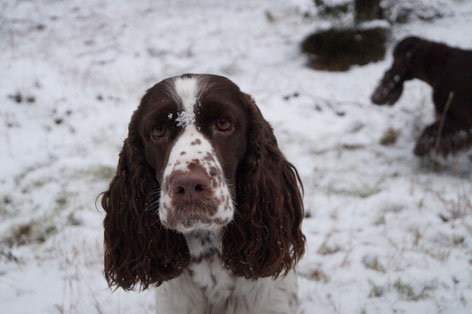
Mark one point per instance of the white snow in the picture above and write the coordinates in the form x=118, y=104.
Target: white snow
x=387, y=233
x=185, y=118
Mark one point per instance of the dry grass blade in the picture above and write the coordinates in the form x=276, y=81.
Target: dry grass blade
x=443, y=120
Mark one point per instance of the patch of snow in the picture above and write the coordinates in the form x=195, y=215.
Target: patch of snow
x=185, y=118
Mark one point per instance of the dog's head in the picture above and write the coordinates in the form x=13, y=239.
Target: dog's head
x=403, y=67
x=200, y=156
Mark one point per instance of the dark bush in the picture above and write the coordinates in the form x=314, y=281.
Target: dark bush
x=339, y=49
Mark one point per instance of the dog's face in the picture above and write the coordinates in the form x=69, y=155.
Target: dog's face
x=193, y=128
x=200, y=156
x=389, y=90
x=390, y=87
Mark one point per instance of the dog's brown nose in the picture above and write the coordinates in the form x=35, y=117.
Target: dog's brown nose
x=190, y=186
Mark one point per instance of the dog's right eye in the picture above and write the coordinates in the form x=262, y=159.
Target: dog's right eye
x=158, y=132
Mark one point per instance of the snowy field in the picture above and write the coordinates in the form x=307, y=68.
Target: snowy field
x=387, y=232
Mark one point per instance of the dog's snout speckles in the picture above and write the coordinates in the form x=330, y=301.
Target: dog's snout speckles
x=196, y=142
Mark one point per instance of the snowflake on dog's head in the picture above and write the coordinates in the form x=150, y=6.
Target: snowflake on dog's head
x=185, y=118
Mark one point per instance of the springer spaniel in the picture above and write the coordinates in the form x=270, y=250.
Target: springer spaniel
x=204, y=204
x=449, y=72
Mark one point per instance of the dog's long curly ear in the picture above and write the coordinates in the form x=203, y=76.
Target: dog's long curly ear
x=265, y=238
x=139, y=251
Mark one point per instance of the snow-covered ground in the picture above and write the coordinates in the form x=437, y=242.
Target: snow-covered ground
x=387, y=233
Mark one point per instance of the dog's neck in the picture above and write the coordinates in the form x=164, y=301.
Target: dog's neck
x=204, y=244
x=206, y=267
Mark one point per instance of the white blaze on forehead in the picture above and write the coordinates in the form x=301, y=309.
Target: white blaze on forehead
x=186, y=90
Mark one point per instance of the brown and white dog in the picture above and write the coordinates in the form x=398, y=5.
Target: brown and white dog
x=204, y=204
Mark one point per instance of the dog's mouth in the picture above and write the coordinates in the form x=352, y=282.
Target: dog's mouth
x=190, y=222
x=187, y=216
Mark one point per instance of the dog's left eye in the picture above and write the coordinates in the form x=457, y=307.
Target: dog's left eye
x=159, y=131
x=223, y=125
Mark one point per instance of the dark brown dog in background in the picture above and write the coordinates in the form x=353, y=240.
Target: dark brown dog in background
x=449, y=72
